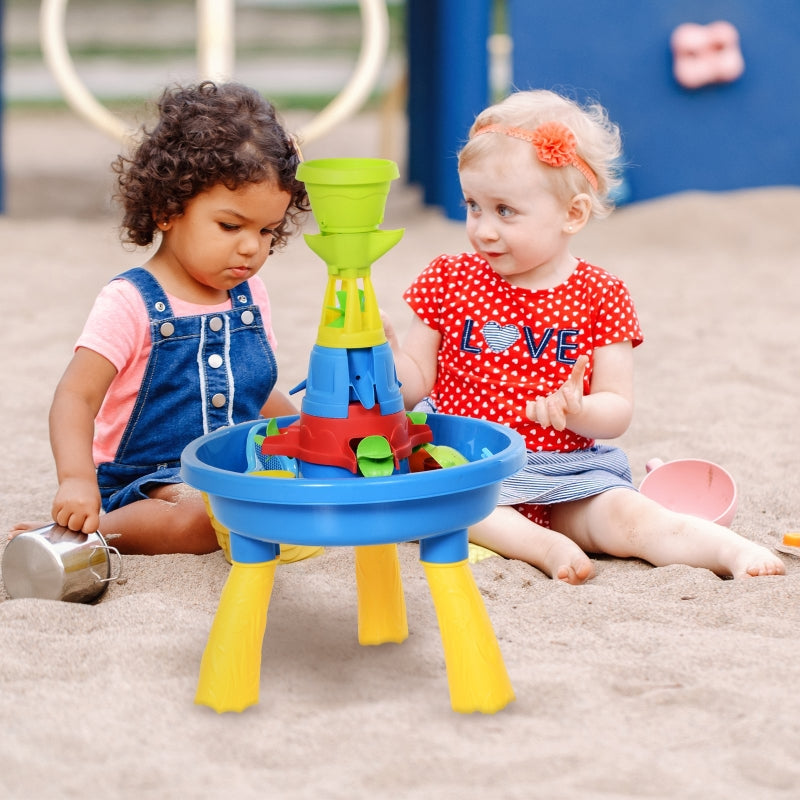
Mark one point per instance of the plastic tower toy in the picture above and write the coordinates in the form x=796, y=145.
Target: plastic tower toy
x=351, y=391
x=366, y=474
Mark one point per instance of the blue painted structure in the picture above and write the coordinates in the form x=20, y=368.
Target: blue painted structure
x=717, y=138
x=448, y=84
x=2, y=108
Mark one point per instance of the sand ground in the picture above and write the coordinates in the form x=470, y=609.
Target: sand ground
x=645, y=682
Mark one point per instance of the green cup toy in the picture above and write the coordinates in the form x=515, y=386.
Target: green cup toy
x=348, y=195
x=348, y=199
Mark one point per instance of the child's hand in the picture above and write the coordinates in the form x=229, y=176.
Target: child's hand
x=77, y=505
x=551, y=411
x=388, y=329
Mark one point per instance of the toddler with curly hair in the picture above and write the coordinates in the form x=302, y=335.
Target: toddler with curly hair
x=183, y=344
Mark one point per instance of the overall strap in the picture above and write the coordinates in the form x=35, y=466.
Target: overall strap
x=155, y=298
x=240, y=295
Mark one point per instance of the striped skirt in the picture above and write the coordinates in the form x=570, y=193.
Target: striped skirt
x=552, y=477
x=549, y=477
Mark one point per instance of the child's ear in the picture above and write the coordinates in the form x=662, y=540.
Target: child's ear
x=578, y=213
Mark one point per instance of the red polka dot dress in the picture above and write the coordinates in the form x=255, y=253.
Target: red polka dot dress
x=503, y=345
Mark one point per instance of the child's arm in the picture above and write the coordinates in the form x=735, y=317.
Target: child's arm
x=416, y=360
x=278, y=405
x=76, y=402
x=607, y=411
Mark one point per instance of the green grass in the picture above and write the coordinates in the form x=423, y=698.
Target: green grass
x=140, y=53
x=280, y=19
x=131, y=105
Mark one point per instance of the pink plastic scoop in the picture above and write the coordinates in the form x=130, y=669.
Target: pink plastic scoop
x=692, y=486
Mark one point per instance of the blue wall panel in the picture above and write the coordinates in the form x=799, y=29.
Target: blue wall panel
x=719, y=137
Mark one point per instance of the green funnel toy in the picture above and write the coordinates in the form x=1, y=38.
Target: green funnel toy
x=348, y=198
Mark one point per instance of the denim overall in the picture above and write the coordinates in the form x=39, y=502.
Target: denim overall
x=204, y=372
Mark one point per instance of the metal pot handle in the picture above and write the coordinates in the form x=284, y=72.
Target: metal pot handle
x=109, y=549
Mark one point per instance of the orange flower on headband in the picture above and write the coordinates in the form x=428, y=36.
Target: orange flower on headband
x=553, y=142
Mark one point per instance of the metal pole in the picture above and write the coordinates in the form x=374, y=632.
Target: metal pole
x=371, y=58
x=216, y=40
x=57, y=58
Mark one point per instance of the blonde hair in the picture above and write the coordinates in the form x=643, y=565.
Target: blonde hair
x=598, y=141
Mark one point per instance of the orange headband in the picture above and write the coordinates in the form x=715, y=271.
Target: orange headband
x=553, y=143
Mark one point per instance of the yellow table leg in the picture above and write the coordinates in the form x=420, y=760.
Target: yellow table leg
x=475, y=670
x=230, y=669
x=381, y=603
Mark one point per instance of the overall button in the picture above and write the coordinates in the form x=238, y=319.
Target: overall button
x=167, y=329
x=215, y=360
x=218, y=400
x=215, y=323
x=248, y=317
x=242, y=298
x=160, y=306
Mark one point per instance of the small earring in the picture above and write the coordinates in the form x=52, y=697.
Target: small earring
x=569, y=228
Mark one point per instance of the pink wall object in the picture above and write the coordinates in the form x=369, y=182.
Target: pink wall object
x=706, y=54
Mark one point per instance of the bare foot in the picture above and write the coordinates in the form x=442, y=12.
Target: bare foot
x=751, y=560
x=565, y=561
x=513, y=535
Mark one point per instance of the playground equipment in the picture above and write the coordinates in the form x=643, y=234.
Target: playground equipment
x=703, y=55
x=728, y=133
x=354, y=469
x=215, y=61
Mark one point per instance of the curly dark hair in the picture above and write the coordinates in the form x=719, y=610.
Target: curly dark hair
x=206, y=134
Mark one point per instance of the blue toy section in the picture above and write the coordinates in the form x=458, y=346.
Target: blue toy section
x=356, y=511
x=716, y=138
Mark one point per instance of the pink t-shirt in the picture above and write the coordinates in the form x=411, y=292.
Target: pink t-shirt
x=503, y=345
x=118, y=328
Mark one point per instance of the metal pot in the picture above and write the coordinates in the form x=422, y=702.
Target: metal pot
x=55, y=563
